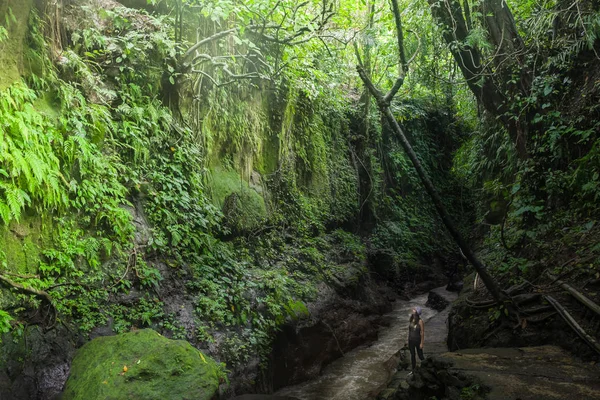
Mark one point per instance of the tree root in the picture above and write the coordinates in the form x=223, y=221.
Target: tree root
x=537, y=310
x=578, y=295
x=20, y=288
x=515, y=289
x=541, y=319
x=481, y=304
x=22, y=276
x=43, y=295
x=573, y=324
x=494, y=332
x=517, y=300
x=525, y=298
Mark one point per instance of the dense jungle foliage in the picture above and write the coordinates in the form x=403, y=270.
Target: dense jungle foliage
x=200, y=167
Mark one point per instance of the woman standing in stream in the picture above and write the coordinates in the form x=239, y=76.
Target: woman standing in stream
x=416, y=336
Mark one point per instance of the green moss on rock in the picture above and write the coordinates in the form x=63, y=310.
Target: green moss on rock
x=156, y=368
x=249, y=208
x=21, y=242
x=15, y=15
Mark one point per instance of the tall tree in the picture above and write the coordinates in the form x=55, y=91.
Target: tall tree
x=504, y=75
x=383, y=102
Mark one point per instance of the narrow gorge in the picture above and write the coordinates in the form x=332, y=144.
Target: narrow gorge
x=245, y=199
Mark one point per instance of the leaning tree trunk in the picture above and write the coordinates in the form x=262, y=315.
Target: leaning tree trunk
x=441, y=209
x=383, y=102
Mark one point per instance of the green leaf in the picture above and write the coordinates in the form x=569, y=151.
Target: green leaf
x=4, y=212
x=5, y=320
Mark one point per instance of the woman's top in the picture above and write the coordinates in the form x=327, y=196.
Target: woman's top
x=414, y=331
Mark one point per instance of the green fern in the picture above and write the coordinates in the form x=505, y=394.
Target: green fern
x=16, y=199
x=31, y=167
x=4, y=212
x=38, y=168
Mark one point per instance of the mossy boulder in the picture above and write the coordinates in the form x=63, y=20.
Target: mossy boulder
x=241, y=201
x=141, y=365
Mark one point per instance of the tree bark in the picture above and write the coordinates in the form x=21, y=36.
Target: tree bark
x=508, y=58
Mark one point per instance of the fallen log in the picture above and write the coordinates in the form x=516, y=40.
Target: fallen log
x=578, y=295
x=519, y=299
x=481, y=304
x=515, y=289
x=573, y=324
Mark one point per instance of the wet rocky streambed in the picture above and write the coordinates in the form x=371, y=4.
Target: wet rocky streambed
x=377, y=371
x=365, y=372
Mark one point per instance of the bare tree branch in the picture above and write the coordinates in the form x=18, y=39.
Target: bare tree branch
x=402, y=66
x=283, y=33
x=209, y=39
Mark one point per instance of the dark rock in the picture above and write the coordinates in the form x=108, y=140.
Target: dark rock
x=435, y=378
x=106, y=330
x=397, y=380
x=262, y=397
x=428, y=376
x=387, y=394
x=416, y=382
x=450, y=380
x=453, y=393
x=455, y=286
x=339, y=323
x=37, y=366
x=436, y=301
x=529, y=373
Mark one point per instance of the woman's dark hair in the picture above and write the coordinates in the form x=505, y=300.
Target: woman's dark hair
x=415, y=318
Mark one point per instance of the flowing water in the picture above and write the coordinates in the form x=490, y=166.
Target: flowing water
x=361, y=373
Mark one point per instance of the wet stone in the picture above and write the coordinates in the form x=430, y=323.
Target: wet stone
x=387, y=394
x=453, y=393
x=450, y=380
x=397, y=380
x=436, y=301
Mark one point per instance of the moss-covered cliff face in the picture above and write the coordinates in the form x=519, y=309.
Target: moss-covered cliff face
x=12, y=40
x=132, y=195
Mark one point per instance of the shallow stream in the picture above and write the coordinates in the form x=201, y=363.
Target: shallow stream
x=362, y=373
